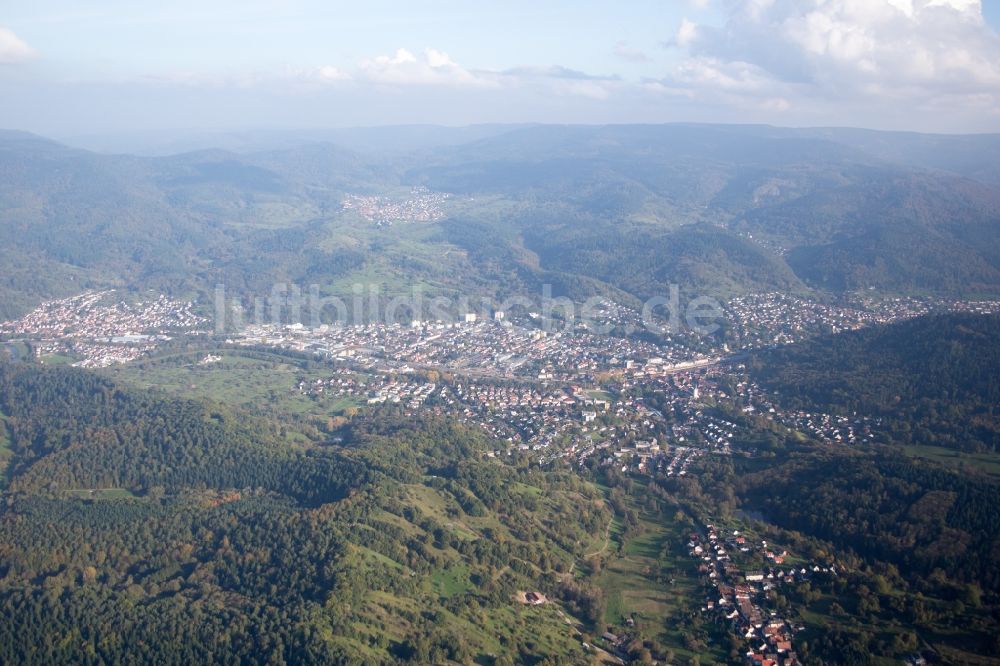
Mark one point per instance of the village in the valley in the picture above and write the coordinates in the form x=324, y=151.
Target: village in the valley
x=419, y=205
x=564, y=393
x=744, y=571
x=556, y=394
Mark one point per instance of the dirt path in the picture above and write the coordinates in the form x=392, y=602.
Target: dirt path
x=599, y=551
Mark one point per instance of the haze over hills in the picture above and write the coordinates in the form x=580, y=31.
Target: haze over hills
x=390, y=138
x=717, y=209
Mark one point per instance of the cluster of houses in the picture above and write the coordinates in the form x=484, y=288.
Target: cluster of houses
x=554, y=421
x=559, y=421
x=680, y=460
x=765, y=320
x=770, y=319
x=102, y=314
x=100, y=353
x=421, y=205
x=717, y=432
x=344, y=382
x=409, y=394
x=828, y=428
x=684, y=396
x=740, y=595
x=99, y=329
x=483, y=348
x=371, y=389
x=523, y=417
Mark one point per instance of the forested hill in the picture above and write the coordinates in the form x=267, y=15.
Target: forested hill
x=933, y=379
x=72, y=430
x=719, y=210
x=905, y=504
x=138, y=529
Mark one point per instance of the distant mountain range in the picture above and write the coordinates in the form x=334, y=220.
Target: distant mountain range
x=620, y=210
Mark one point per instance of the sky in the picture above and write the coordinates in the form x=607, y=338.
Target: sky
x=69, y=68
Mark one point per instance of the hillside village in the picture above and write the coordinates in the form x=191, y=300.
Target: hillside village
x=421, y=205
x=741, y=599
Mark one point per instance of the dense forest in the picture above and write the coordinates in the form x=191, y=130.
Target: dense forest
x=137, y=528
x=923, y=518
x=933, y=380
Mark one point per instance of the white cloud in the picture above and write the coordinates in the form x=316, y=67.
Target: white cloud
x=431, y=68
x=561, y=81
x=13, y=49
x=287, y=80
x=626, y=52
x=330, y=74
x=687, y=33
x=913, y=53
x=741, y=77
x=436, y=68
x=726, y=84
x=402, y=70
x=598, y=90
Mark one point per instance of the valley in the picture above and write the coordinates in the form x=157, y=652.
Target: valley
x=559, y=395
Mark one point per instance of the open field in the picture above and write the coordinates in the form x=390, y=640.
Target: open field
x=987, y=463
x=101, y=493
x=255, y=382
x=646, y=577
x=57, y=359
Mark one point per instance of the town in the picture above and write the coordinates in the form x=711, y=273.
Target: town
x=561, y=394
x=99, y=329
x=571, y=397
x=421, y=205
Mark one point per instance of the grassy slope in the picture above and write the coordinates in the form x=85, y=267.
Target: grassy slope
x=645, y=578
x=5, y=452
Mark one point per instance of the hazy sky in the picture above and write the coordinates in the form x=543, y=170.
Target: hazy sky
x=68, y=67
